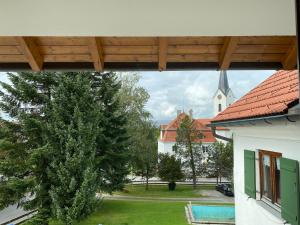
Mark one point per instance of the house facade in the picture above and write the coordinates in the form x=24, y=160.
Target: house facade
x=167, y=139
x=266, y=134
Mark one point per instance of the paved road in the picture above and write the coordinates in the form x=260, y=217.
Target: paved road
x=10, y=213
x=156, y=180
x=210, y=196
x=213, y=194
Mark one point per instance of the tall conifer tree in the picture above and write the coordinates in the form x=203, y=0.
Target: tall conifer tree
x=24, y=160
x=72, y=132
x=66, y=137
x=112, y=143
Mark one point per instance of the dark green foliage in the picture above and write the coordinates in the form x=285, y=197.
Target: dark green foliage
x=24, y=161
x=144, y=157
x=72, y=131
x=169, y=168
x=220, y=160
x=112, y=153
x=189, y=149
x=66, y=136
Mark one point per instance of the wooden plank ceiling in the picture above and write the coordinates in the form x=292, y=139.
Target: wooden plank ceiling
x=147, y=53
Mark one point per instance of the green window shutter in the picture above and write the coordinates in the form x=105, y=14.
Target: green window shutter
x=250, y=179
x=289, y=187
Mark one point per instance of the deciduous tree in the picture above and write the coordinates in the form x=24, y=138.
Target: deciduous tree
x=169, y=169
x=144, y=155
x=188, y=147
x=220, y=160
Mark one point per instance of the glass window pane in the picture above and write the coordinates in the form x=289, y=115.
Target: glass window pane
x=267, y=192
x=277, y=180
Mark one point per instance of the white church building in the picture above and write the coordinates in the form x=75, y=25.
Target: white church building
x=224, y=96
x=266, y=137
x=221, y=100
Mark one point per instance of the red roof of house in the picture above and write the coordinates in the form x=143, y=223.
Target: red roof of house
x=162, y=127
x=170, y=130
x=274, y=96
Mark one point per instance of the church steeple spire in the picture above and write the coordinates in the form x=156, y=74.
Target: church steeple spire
x=224, y=96
x=223, y=82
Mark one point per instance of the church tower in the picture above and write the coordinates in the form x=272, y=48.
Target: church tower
x=223, y=96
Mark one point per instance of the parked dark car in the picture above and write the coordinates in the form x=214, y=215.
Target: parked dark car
x=219, y=187
x=226, y=189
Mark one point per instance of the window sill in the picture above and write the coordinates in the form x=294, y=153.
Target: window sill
x=271, y=208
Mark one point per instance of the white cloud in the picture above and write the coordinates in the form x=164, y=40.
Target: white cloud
x=167, y=109
x=170, y=91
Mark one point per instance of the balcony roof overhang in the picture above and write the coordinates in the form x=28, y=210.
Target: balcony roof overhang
x=147, y=35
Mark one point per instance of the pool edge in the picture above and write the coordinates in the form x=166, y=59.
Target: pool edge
x=191, y=219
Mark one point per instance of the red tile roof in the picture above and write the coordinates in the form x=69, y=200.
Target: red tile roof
x=207, y=122
x=169, y=131
x=274, y=96
x=162, y=127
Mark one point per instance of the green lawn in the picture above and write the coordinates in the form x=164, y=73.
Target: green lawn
x=136, y=213
x=162, y=191
x=114, y=212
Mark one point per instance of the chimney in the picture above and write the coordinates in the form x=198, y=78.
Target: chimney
x=191, y=113
x=178, y=112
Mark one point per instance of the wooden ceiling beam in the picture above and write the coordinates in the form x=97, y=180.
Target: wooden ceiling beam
x=31, y=52
x=227, y=50
x=289, y=62
x=97, y=54
x=162, y=53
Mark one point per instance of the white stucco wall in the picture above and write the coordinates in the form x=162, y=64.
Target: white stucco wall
x=165, y=147
x=281, y=137
x=230, y=98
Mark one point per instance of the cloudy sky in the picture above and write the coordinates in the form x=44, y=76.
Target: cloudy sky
x=172, y=91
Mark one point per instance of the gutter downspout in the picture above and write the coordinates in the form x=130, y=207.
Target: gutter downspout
x=213, y=128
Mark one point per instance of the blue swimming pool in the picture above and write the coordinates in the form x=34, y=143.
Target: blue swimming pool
x=203, y=213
